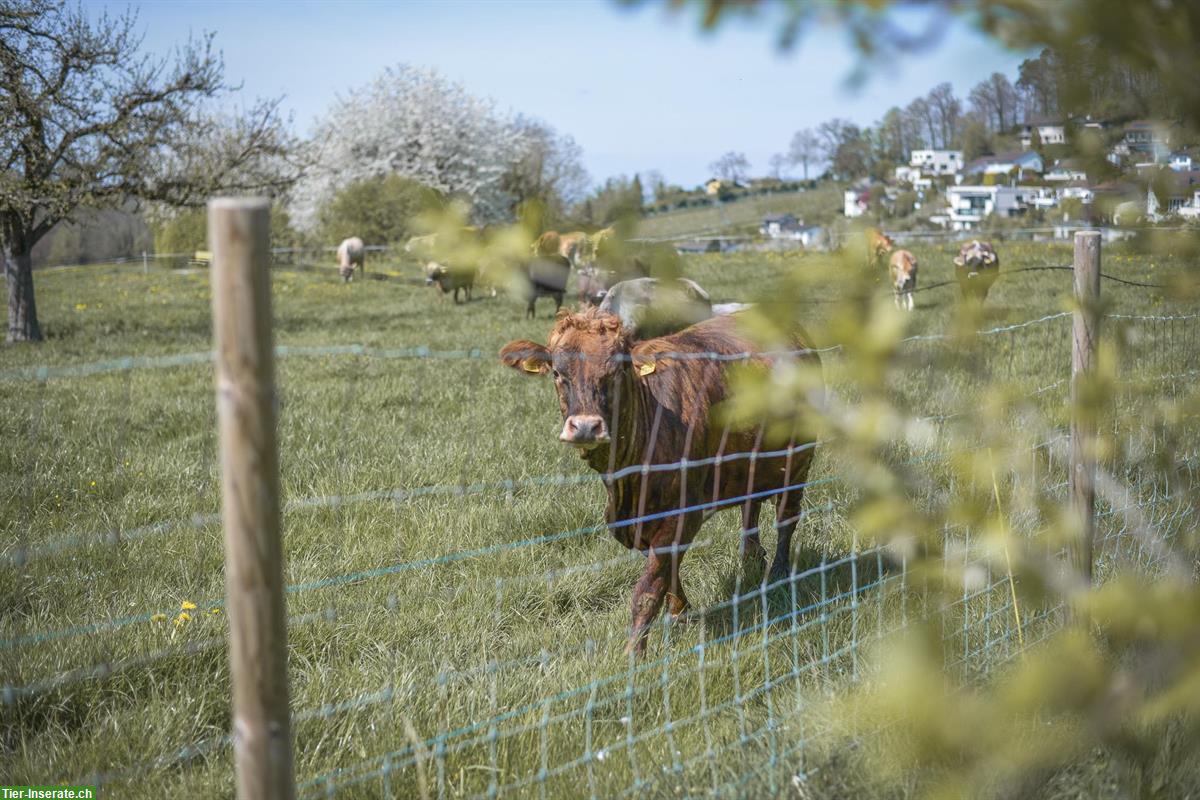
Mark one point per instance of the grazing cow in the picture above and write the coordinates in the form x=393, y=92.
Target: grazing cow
x=548, y=244
x=613, y=261
x=350, y=255
x=879, y=247
x=548, y=276
x=903, y=267
x=571, y=246
x=636, y=409
x=976, y=268
x=648, y=307
x=451, y=279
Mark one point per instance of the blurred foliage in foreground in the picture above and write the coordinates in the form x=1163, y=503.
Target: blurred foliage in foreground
x=1114, y=666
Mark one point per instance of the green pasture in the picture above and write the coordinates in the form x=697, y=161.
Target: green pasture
x=452, y=634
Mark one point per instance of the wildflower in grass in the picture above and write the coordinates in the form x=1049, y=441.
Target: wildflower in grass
x=183, y=619
x=81, y=306
x=188, y=605
x=160, y=617
x=215, y=611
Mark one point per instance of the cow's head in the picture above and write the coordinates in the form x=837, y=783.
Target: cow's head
x=975, y=256
x=594, y=365
x=880, y=244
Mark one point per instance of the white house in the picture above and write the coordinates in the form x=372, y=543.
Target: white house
x=1066, y=170
x=969, y=205
x=913, y=177
x=1180, y=162
x=1049, y=131
x=856, y=200
x=1178, y=194
x=936, y=162
x=780, y=226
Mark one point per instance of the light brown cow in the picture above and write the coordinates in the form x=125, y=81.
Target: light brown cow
x=903, y=268
x=350, y=253
x=572, y=246
x=976, y=268
x=879, y=247
x=635, y=409
x=548, y=244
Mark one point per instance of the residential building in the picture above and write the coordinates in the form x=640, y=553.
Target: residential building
x=1180, y=161
x=1048, y=129
x=780, y=226
x=1148, y=138
x=936, y=162
x=856, y=200
x=969, y=205
x=1172, y=193
x=913, y=177
x=1066, y=170
x=1017, y=165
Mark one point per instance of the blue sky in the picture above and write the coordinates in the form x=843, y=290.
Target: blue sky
x=639, y=88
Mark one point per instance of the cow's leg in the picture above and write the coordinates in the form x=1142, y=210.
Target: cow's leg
x=529, y=308
x=787, y=514
x=648, y=596
x=558, y=298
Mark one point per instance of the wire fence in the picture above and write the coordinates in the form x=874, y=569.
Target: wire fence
x=532, y=695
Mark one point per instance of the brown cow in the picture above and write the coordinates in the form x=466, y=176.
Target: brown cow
x=976, y=268
x=903, y=268
x=573, y=247
x=630, y=407
x=548, y=244
x=879, y=247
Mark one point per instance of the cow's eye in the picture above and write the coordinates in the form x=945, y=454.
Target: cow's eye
x=557, y=375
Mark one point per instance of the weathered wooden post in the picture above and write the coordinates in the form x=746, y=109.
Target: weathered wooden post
x=238, y=234
x=1082, y=478
x=145, y=264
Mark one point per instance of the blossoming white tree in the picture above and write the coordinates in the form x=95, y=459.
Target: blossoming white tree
x=417, y=124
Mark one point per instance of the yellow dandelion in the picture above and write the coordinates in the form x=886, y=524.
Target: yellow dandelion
x=81, y=306
x=188, y=605
x=182, y=619
x=160, y=617
x=215, y=611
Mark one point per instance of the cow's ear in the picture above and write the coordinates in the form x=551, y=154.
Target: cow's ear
x=958, y=260
x=989, y=258
x=526, y=356
x=645, y=359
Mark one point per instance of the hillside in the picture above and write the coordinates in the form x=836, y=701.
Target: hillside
x=818, y=206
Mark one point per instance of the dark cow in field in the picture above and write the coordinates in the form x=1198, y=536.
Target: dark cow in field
x=976, y=268
x=635, y=409
x=615, y=261
x=548, y=276
x=451, y=279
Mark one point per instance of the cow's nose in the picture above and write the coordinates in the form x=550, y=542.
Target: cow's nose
x=584, y=429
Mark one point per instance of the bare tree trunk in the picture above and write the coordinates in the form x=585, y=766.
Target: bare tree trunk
x=22, y=310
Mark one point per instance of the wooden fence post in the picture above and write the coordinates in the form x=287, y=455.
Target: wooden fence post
x=1082, y=477
x=238, y=235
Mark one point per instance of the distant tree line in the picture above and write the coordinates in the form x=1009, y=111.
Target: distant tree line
x=1050, y=87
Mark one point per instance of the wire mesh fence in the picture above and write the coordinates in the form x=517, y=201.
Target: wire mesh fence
x=458, y=611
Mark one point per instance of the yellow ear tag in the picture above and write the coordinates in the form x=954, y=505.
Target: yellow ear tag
x=645, y=369
x=530, y=365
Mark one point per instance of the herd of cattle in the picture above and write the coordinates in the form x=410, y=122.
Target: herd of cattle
x=641, y=370
x=976, y=268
